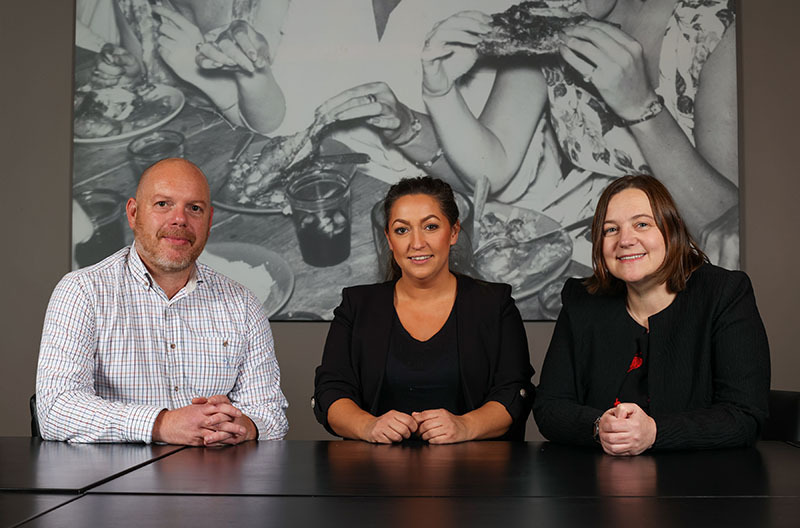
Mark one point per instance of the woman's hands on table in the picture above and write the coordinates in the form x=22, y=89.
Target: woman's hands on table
x=392, y=426
x=626, y=430
x=439, y=426
x=436, y=426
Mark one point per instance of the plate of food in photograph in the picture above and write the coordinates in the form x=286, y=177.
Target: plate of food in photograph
x=259, y=269
x=260, y=173
x=105, y=115
x=521, y=247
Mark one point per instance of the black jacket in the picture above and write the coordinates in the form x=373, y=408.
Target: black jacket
x=708, y=374
x=492, y=349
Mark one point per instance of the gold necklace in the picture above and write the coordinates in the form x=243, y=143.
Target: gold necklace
x=637, y=318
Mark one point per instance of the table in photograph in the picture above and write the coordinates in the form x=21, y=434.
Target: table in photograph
x=210, y=142
x=344, y=483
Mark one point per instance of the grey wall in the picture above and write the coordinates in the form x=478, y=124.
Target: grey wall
x=35, y=142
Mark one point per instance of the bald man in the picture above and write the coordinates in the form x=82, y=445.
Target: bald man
x=150, y=346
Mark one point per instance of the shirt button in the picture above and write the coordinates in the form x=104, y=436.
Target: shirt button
x=176, y=388
x=225, y=343
x=313, y=402
x=172, y=346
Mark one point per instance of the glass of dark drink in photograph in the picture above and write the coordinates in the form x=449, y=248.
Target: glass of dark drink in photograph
x=106, y=211
x=155, y=146
x=320, y=203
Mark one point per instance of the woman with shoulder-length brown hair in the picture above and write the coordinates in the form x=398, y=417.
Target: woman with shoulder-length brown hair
x=658, y=348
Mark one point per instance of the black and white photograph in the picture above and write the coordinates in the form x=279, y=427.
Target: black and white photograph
x=302, y=114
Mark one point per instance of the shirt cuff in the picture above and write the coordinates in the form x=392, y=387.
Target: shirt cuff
x=139, y=423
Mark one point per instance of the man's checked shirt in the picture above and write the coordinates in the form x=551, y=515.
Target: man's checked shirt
x=115, y=352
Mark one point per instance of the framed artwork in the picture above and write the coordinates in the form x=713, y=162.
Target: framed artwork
x=303, y=113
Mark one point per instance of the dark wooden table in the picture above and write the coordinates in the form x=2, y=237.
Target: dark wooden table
x=146, y=511
x=343, y=483
x=18, y=507
x=30, y=464
x=475, y=469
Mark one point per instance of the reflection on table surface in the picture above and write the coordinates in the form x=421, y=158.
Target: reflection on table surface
x=346, y=483
x=33, y=464
x=18, y=507
x=499, y=469
x=145, y=511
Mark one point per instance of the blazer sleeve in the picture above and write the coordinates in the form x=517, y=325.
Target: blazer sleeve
x=558, y=411
x=511, y=385
x=336, y=376
x=740, y=378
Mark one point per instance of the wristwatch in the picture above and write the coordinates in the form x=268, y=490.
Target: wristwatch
x=653, y=109
x=415, y=127
x=596, y=429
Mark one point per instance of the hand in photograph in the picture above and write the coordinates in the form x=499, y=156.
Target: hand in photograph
x=449, y=50
x=613, y=62
x=238, y=47
x=720, y=239
x=378, y=106
x=248, y=95
x=177, y=41
x=115, y=66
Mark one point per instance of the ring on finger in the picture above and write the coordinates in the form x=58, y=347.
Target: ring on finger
x=371, y=98
x=588, y=77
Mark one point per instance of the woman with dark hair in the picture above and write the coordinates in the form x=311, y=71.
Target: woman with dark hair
x=429, y=354
x=658, y=348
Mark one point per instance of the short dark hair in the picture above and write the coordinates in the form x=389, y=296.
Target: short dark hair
x=433, y=187
x=683, y=256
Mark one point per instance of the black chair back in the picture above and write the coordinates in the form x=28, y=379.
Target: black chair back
x=34, y=418
x=784, y=416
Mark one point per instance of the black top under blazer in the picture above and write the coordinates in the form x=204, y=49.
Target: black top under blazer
x=708, y=373
x=494, y=364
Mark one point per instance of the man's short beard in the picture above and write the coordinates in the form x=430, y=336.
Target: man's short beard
x=158, y=260
x=169, y=266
